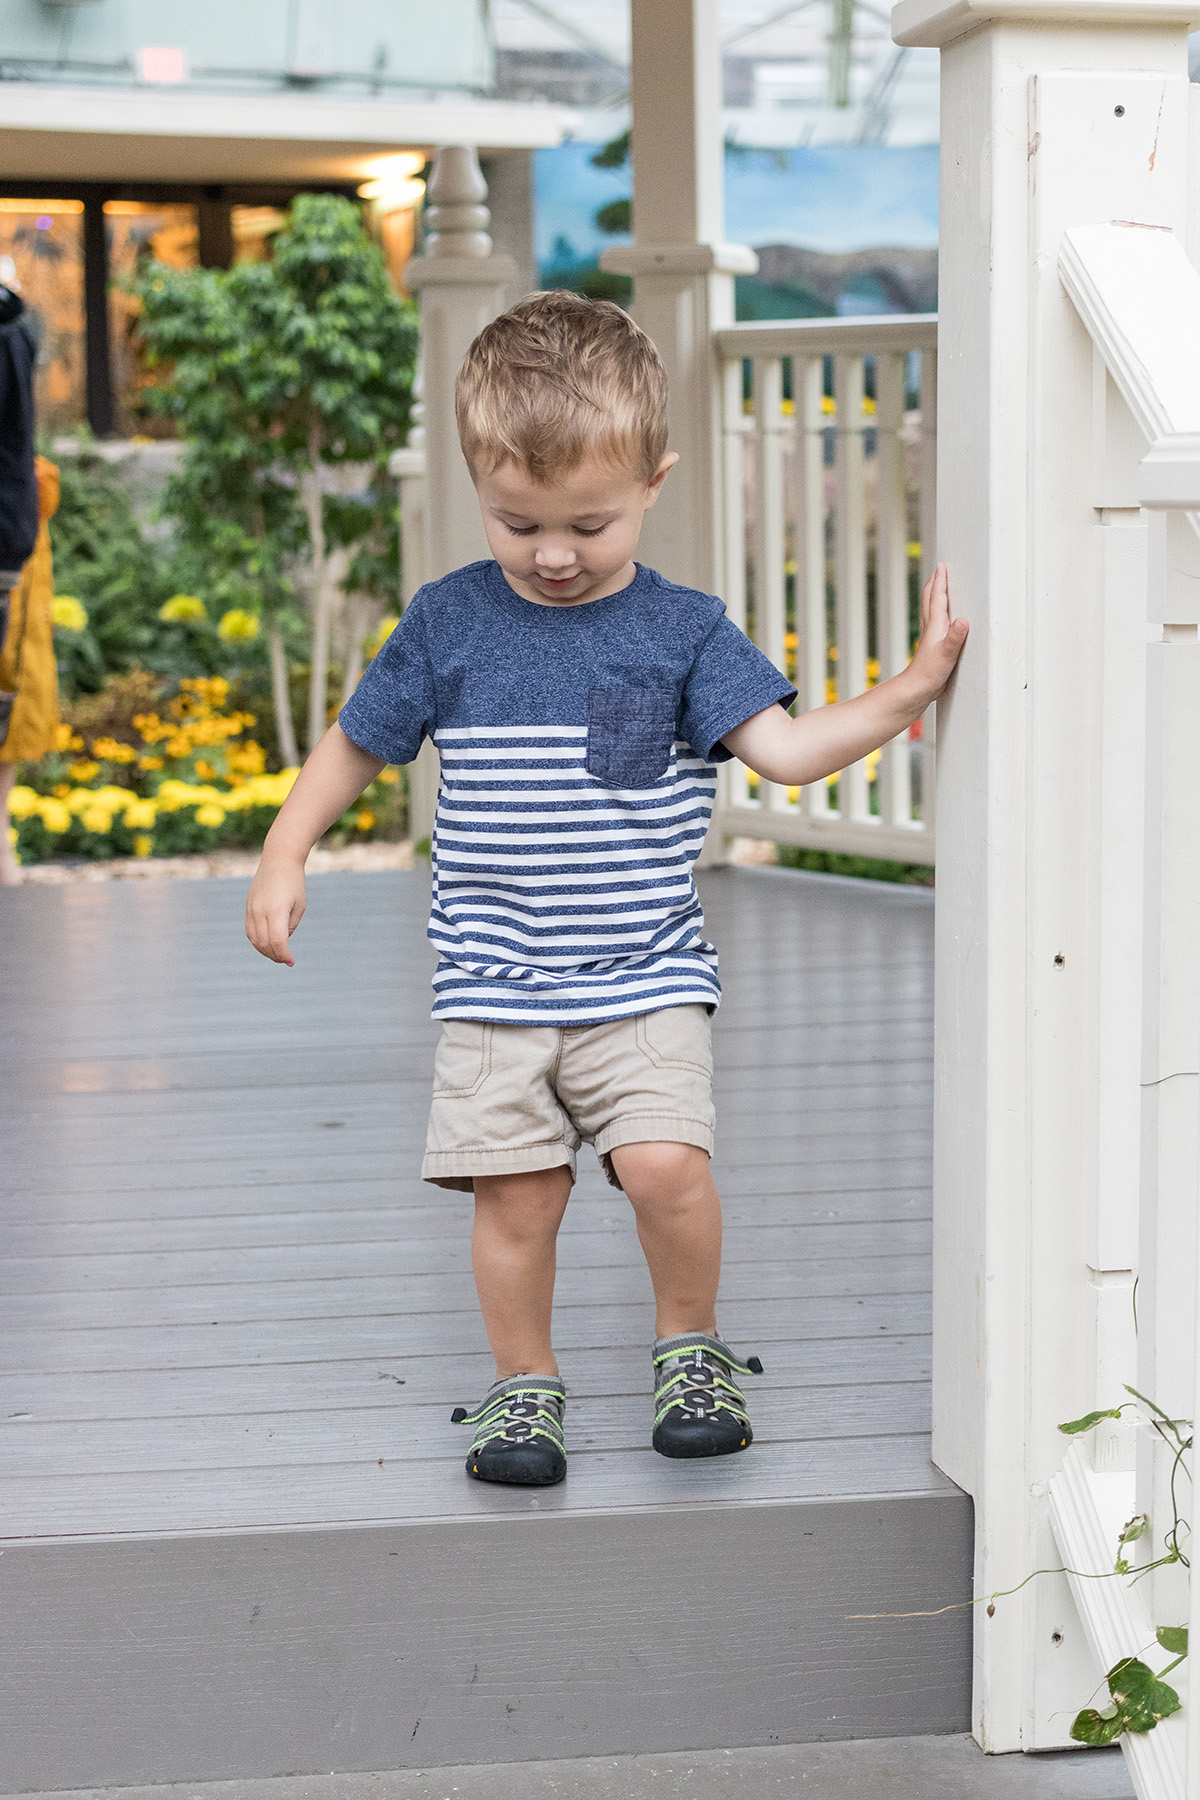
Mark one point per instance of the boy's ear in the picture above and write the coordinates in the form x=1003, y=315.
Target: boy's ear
x=654, y=485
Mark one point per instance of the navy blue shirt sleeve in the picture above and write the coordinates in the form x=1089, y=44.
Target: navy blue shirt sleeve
x=729, y=681
x=394, y=706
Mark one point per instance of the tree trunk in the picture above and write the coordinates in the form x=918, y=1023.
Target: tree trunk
x=285, y=728
x=314, y=508
x=356, y=627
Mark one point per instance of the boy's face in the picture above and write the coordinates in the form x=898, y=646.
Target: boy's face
x=570, y=541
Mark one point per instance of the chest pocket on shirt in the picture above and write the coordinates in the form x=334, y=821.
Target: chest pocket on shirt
x=630, y=733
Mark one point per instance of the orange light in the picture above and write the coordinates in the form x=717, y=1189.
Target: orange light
x=41, y=206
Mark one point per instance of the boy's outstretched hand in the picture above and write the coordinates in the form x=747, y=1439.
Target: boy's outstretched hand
x=275, y=906
x=797, y=751
x=942, y=636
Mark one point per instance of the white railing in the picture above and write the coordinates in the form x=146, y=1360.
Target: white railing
x=830, y=485
x=829, y=482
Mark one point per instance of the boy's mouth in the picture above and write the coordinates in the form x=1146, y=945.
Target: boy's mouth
x=557, y=584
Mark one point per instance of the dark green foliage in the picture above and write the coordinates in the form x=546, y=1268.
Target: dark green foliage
x=616, y=217
x=1173, y=1639
x=615, y=154
x=100, y=558
x=279, y=369
x=865, y=868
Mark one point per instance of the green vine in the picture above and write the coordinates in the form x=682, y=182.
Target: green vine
x=1138, y=1698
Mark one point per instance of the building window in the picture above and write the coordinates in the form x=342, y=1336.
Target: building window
x=41, y=255
x=139, y=232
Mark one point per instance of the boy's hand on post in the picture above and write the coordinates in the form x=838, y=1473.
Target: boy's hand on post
x=275, y=906
x=942, y=637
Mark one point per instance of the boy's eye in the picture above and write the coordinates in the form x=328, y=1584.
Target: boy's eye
x=522, y=530
x=594, y=532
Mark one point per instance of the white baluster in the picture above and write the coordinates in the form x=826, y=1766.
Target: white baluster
x=770, y=591
x=812, y=628
x=891, y=572
x=851, y=561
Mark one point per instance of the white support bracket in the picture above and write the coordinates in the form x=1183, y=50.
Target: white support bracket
x=1169, y=474
x=1139, y=297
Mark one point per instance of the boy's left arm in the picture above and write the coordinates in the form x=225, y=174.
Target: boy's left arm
x=794, y=752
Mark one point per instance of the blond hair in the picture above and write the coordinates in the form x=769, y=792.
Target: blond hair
x=559, y=378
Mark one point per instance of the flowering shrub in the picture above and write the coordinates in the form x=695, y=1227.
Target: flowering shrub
x=196, y=782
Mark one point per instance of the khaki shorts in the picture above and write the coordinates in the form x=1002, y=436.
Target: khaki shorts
x=510, y=1098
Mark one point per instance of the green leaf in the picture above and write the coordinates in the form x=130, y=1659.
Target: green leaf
x=1136, y=1528
x=1140, y=1697
x=1139, y=1701
x=1073, y=1426
x=1173, y=1638
x=1097, y=1728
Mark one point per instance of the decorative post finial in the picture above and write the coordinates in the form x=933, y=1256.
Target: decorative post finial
x=456, y=220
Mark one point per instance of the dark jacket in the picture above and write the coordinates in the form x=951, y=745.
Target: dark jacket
x=18, y=476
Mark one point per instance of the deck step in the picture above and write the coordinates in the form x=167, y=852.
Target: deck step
x=516, y=1638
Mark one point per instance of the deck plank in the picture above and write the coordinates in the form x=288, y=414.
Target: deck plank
x=220, y=1261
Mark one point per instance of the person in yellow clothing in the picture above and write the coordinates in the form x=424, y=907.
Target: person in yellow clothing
x=27, y=665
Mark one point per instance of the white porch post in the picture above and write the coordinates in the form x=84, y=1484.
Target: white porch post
x=460, y=285
x=683, y=271
x=1053, y=115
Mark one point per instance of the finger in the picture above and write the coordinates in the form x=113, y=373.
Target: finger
x=279, y=941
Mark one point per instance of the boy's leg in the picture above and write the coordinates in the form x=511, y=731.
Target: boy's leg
x=513, y=1255
x=674, y=1199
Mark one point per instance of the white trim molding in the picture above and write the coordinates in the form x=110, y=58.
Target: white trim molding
x=1087, y=1512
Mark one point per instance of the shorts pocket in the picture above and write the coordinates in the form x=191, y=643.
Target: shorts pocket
x=677, y=1037
x=464, y=1057
x=630, y=733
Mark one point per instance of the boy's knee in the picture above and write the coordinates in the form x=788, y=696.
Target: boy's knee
x=662, y=1173
x=532, y=1201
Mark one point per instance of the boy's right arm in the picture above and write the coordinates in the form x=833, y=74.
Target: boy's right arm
x=331, y=780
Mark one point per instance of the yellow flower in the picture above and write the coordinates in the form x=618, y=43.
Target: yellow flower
x=210, y=814
x=179, y=745
x=237, y=626
x=69, y=613
x=112, y=750
x=388, y=776
x=913, y=551
x=62, y=737
x=56, y=816
x=83, y=770
x=828, y=403
x=139, y=814
x=150, y=762
x=872, y=670
x=381, y=634
x=97, y=819
x=205, y=770
x=143, y=845
x=364, y=819
x=830, y=691
x=183, y=609
x=247, y=758
x=22, y=803
x=61, y=789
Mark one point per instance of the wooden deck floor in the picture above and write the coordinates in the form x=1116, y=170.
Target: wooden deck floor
x=230, y=1305
x=220, y=1262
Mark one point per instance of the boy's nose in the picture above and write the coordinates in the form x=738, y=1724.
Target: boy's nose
x=554, y=556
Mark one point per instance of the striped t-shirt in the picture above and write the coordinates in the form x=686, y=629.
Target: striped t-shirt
x=578, y=747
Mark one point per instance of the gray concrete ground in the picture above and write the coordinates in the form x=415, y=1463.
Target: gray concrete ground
x=922, y=1768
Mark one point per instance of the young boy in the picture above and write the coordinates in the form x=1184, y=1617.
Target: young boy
x=580, y=704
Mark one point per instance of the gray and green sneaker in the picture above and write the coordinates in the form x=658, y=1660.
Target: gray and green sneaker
x=699, y=1409
x=518, y=1432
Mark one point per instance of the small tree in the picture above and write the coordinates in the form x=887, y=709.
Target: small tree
x=283, y=371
